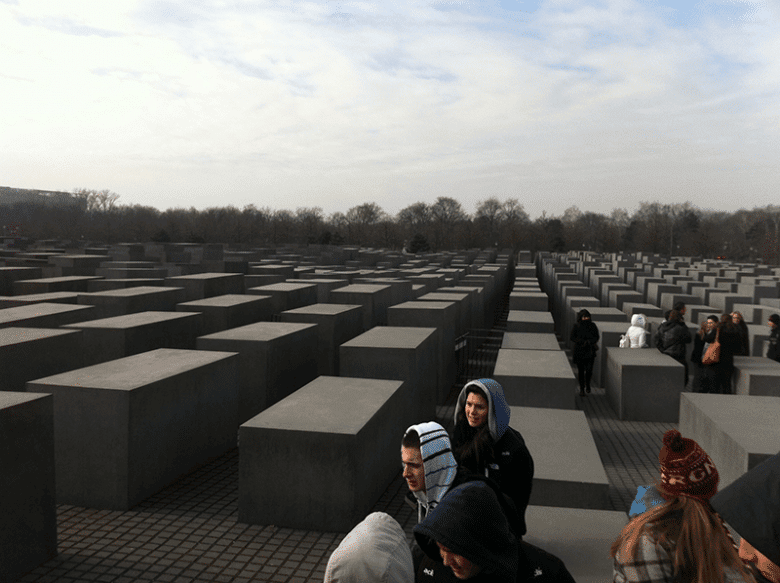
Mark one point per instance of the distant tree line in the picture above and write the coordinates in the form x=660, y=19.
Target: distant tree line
x=667, y=229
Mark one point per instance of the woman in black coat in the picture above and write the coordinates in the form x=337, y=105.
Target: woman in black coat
x=585, y=336
x=673, y=335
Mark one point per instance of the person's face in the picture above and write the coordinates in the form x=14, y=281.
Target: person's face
x=709, y=325
x=683, y=310
x=736, y=318
x=586, y=318
x=749, y=553
x=414, y=471
x=772, y=325
x=476, y=409
x=461, y=567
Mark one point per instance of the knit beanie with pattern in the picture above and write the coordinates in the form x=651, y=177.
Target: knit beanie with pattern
x=686, y=469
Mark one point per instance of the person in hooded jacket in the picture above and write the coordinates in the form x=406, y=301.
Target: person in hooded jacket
x=585, y=336
x=375, y=551
x=751, y=506
x=773, y=350
x=469, y=534
x=637, y=332
x=430, y=471
x=673, y=336
x=484, y=443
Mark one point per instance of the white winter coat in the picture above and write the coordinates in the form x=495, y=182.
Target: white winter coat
x=637, y=333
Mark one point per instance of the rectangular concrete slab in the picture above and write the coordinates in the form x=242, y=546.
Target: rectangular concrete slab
x=275, y=360
x=737, y=431
x=206, y=285
x=45, y=315
x=643, y=385
x=229, y=311
x=567, y=466
x=398, y=353
x=288, y=295
x=310, y=462
x=528, y=301
x=526, y=321
x=120, y=302
x=336, y=324
x=51, y=284
x=111, y=338
x=126, y=428
x=756, y=375
x=28, y=521
x=530, y=341
x=536, y=378
x=580, y=538
x=32, y=353
x=375, y=299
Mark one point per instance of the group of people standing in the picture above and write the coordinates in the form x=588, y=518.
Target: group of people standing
x=470, y=493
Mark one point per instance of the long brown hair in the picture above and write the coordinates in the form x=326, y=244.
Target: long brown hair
x=701, y=547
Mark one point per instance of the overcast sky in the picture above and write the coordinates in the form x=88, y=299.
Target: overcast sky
x=332, y=104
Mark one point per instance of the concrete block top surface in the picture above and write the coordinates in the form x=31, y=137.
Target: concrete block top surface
x=361, y=288
x=418, y=305
x=391, y=337
x=528, y=316
x=14, y=398
x=64, y=279
x=133, y=320
x=132, y=372
x=141, y=290
x=530, y=341
x=260, y=331
x=285, y=286
x=325, y=309
x=37, y=310
x=551, y=435
x=752, y=421
x=533, y=363
x=442, y=297
x=641, y=357
x=202, y=276
x=14, y=335
x=311, y=408
x=225, y=301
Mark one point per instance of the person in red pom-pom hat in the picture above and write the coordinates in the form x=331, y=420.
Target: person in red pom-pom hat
x=680, y=538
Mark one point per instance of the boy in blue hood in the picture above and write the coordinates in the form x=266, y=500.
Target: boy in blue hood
x=470, y=533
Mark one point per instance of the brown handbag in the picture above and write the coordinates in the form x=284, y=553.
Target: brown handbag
x=712, y=355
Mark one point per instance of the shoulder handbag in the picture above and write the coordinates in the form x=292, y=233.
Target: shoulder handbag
x=625, y=342
x=712, y=355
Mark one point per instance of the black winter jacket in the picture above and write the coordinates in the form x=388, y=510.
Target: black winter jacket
x=673, y=337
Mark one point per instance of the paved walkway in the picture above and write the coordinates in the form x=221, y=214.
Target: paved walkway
x=188, y=532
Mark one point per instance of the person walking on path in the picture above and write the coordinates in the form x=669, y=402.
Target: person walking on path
x=585, y=336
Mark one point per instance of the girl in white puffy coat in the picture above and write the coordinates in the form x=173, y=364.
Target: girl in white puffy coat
x=637, y=333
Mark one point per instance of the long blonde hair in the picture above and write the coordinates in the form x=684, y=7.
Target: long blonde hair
x=699, y=542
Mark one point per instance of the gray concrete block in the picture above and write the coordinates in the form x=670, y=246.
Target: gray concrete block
x=101, y=285
x=619, y=297
x=600, y=314
x=31, y=353
x=477, y=297
x=462, y=303
x=567, y=466
x=756, y=375
x=656, y=289
x=275, y=359
x=26, y=300
x=44, y=315
x=336, y=324
x=121, y=273
x=528, y=301
x=525, y=321
x=8, y=275
x=288, y=295
x=397, y=353
x=51, y=284
x=631, y=308
x=737, y=431
x=229, y=311
x=580, y=538
x=536, y=378
x=401, y=290
x=121, y=302
x=111, y=338
x=335, y=461
x=374, y=298
x=207, y=285
x=443, y=317
x=28, y=521
x=126, y=428
x=530, y=341
x=724, y=302
x=325, y=285
x=643, y=385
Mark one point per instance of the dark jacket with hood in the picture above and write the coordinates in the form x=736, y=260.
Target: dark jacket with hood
x=773, y=352
x=674, y=335
x=470, y=523
x=510, y=463
x=751, y=506
x=585, y=336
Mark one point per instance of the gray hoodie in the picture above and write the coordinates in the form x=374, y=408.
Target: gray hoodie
x=375, y=550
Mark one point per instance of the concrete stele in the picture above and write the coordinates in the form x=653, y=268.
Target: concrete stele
x=536, y=378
